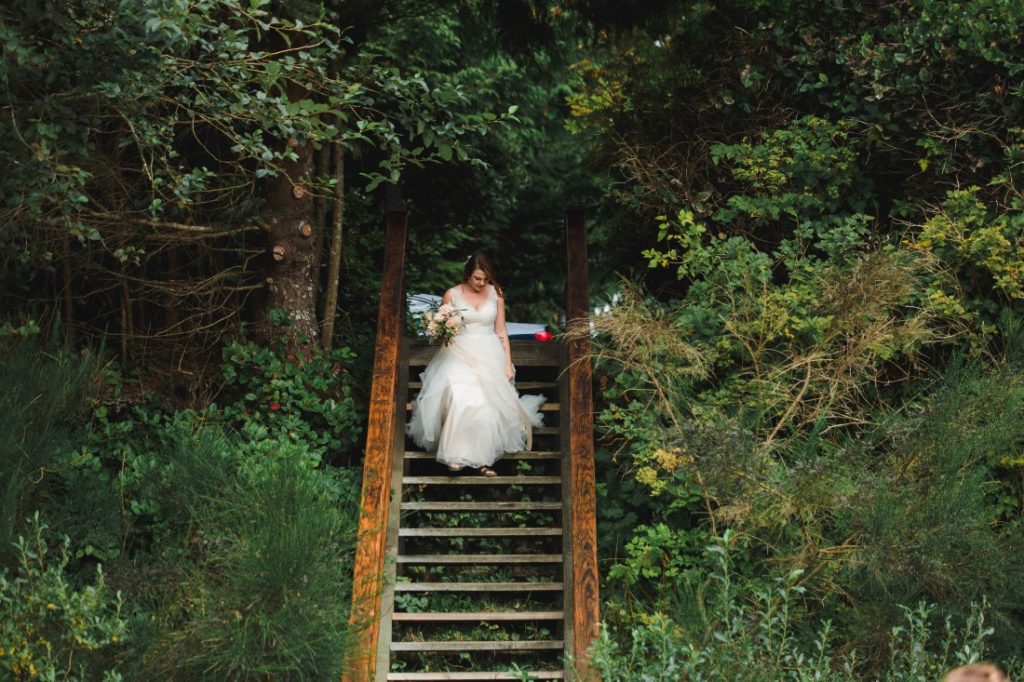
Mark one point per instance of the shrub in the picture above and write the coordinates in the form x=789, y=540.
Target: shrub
x=309, y=399
x=49, y=630
x=752, y=630
x=44, y=394
x=262, y=567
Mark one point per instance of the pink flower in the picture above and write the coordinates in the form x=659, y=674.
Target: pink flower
x=445, y=310
x=452, y=322
x=275, y=406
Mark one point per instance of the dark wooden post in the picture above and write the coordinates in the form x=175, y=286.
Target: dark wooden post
x=581, y=447
x=380, y=440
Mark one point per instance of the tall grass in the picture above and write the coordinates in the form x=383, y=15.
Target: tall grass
x=258, y=587
x=43, y=393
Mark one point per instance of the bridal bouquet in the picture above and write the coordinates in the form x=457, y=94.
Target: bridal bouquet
x=442, y=325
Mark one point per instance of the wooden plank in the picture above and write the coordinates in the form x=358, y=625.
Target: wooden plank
x=394, y=521
x=368, y=572
x=525, y=353
x=481, y=506
x=518, y=362
x=534, y=454
x=521, y=386
x=478, y=587
x=482, y=676
x=547, y=407
x=473, y=616
x=546, y=431
x=479, y=558
x=477, y=479
x=582, y=478
x=477, y=532
x=497, y=645
x=563, y=398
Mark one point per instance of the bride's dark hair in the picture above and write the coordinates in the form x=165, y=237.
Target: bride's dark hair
x=480, y=261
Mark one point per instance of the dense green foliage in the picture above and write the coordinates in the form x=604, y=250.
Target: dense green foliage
x=828, y=363
x=809, y=375
x=50, y=628
x=225, y=533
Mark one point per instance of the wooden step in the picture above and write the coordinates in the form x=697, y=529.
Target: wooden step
x=476, y=479
x=481, y=676
x=476, y=532
x=521, y=386
x=546, y=430
x=534, y=454
x=473, y=616
x=478, y=587
x=479, y=558
x=482, y=506
x=537, y=361
x=545, y=407
x=512, y=645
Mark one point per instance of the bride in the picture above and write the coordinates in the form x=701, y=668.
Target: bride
x=468, y=409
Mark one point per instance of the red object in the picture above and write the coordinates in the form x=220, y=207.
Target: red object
x=275, y=406
x=542, y=336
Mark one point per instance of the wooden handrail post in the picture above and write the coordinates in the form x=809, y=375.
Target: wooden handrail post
x=581, y=447
x=380, y=439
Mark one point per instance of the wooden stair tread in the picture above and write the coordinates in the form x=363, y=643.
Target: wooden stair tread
x=476, y=479
x=478, y=587
x=476, y=532
x=508, y=645
x=531, y=454
x=481, y=676
x=545, y=407
x=481, y=506
x=520, y=385
x=517, y=361
x=490, y=616
x=479, y=558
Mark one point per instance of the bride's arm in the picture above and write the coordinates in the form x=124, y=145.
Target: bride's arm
x=502, y=331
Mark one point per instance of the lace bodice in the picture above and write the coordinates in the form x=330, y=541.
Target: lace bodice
x=477, y=320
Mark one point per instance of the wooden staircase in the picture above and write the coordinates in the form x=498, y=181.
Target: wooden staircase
x=465, y=577
x=476, y=556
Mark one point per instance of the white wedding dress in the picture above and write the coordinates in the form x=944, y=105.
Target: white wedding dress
x=466, y=409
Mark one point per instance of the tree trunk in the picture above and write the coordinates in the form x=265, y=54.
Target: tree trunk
x=323, y=169
x=66, y=291
x=291, y=216
x=334, y=266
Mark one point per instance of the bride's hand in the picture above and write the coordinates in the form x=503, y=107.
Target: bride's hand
x=510, y=373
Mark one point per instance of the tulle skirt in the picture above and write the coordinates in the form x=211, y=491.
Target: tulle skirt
x=467, y=411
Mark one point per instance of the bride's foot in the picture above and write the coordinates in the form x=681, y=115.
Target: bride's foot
x=453, y=468
x=487, y=471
